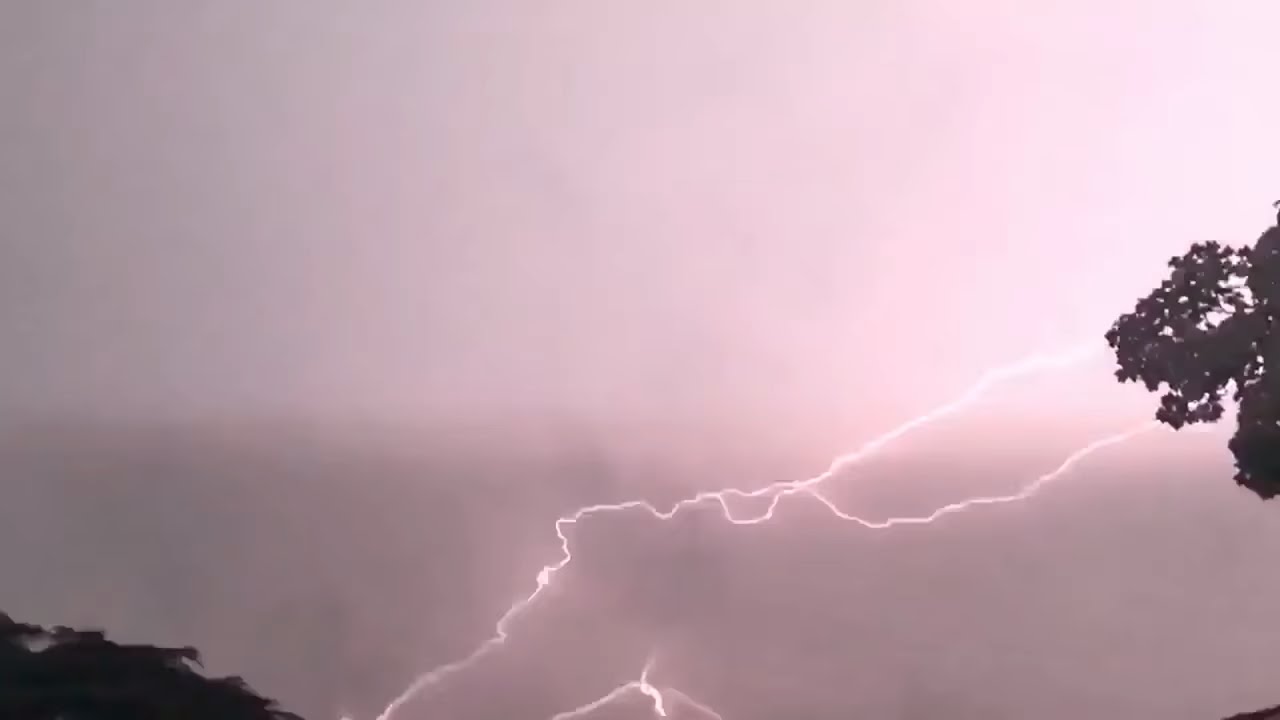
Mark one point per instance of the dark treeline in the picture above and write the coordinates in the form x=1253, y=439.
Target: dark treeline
x=64, y=674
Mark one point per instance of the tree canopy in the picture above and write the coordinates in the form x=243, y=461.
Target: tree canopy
x=65, y=674
x=1209, y=333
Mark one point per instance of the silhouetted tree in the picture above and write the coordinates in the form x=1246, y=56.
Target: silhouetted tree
x=1209, y=329
x=1269, y=714
x=65, y=674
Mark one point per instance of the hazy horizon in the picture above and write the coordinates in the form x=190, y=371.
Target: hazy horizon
x=346, y=574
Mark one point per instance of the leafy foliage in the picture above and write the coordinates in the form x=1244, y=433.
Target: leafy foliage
x=1208, y=333
x=65, y=674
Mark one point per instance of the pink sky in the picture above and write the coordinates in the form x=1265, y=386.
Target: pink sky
x=770, y=226
x=636, y=213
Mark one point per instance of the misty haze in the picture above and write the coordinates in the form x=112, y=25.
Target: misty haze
x=315, y=318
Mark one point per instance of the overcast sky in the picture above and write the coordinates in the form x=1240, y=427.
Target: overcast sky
x=775, y=224
x=617, y=211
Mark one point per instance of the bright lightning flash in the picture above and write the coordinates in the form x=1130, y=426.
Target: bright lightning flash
x=633, y=686
x=641, y=685
x=644, y=687
x=776, y=491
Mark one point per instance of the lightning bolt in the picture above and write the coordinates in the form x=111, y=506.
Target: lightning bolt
x=1036, y=363
x=1025, y=493
x=642, y=686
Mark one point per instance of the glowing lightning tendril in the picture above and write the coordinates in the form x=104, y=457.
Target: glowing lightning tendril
x=644, y=687
x=776, y=491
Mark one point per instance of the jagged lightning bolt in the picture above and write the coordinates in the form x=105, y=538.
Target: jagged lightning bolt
x=1034, y=364
x=644, y=687
x=603, y=700
x=640, y=685
x=1026, y=492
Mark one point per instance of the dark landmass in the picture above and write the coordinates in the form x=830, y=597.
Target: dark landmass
x=64, y=674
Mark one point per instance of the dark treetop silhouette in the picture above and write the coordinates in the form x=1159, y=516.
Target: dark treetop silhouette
x=65, y=674
x=1211, y=326
x=1269, y=714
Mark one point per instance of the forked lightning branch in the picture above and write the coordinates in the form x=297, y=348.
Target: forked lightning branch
x=666, y=698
